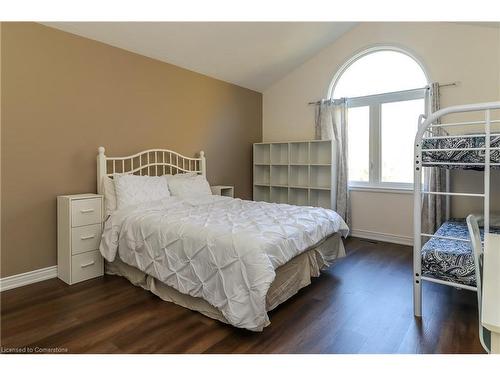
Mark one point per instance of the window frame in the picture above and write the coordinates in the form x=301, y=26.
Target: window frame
x=374, y=102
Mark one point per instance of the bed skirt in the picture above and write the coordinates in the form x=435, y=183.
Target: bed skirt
x=290, y=278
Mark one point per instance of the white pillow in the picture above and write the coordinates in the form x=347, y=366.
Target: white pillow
x=108, y=190
x=132, y=189
x=188, y=185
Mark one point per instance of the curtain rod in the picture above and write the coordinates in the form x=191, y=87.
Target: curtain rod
x=456, y=83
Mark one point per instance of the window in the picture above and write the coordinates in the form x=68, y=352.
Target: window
x=385, y=90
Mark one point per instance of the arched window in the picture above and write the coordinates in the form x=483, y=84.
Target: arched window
x=385, y=90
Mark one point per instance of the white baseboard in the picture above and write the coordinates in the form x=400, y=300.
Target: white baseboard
x=384, y=237
x=15, y=281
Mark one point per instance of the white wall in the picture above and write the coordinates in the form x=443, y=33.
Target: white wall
x=499, y=62
x=449, y=51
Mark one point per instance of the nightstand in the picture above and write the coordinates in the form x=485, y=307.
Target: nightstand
x=79, y=228
x=224, y=190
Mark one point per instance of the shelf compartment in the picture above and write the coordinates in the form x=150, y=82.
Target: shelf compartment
x=320, y=152
x=261, y=194
x=279, y=194
x=299, y=175
x=279, y=175
x=320, y=198
x=262, y=154
x=279, y=153
x=299, y=153
x=299, y=196
x=320, y=176
x=261, y=174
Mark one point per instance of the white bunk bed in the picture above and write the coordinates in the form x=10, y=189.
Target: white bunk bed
x=446, y=258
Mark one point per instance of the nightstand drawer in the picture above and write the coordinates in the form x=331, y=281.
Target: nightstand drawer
x=86, y=266
x=85, y=212
x=85, y=238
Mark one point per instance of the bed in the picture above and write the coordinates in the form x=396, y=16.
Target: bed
x=474, y=145
x=452, y=157
x=229, y=259
x=448, y=259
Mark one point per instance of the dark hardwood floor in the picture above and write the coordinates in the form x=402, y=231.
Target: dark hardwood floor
x=362, y=304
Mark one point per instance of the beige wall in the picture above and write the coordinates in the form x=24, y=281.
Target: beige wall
x=449, y=51
x=63, y=96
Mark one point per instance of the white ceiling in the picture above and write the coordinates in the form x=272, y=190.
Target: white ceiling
x=253, y=55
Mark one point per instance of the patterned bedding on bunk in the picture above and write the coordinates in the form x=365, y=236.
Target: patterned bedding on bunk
x=459, y=156
x=451, y=260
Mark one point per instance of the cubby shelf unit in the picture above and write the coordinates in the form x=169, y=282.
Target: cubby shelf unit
x=299, y=172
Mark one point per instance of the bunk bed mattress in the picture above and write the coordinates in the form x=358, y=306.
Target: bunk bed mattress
x=459, y=156
x=451, y=260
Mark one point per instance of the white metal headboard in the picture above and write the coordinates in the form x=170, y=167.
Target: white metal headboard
x=154, y=162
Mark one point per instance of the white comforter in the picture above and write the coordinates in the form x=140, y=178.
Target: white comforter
x=221, y=249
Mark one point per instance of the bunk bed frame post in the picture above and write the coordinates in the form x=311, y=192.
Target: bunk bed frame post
x=448, y=197
x=487, y=162
x=417, y=224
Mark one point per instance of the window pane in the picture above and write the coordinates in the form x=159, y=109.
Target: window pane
x=399, y=127
x=359, y=143
x=379, y=72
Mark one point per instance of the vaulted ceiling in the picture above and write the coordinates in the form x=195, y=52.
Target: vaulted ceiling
x=249, y=54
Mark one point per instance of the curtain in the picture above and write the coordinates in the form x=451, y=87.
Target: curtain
x=331, y=123
x=434, y=206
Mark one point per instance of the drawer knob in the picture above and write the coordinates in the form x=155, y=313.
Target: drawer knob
x=87, y=210
x=87, y=264
x=87, y=237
